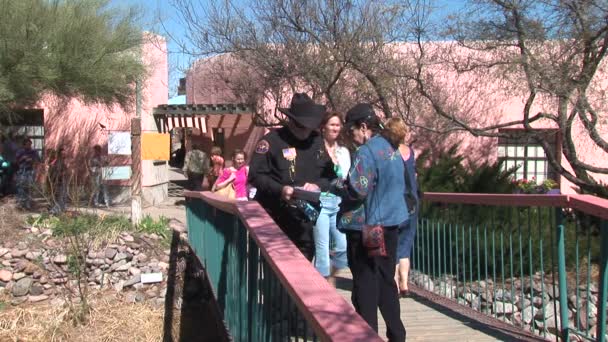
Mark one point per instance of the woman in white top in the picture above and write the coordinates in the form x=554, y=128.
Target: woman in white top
x=325, y=228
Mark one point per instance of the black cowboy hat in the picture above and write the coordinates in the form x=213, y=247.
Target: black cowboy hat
x=359, y=112
x=304, y=111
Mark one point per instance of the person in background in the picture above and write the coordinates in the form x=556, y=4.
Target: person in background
x=196, y=166
x=96, y=165
x=373, y=194
x=396, y=131
x=325, y=229
x=235, y=176
x=4, y=171
x=289, y=158
x=217, y=165
x=11, y=147
x=57, y=179
x=27, y=161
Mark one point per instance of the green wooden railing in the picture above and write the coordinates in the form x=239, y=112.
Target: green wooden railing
x=266, y=289
x=538, y=262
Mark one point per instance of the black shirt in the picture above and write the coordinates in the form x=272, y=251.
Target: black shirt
x=281, y=159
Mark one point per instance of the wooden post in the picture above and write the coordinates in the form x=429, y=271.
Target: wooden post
x=136, y=203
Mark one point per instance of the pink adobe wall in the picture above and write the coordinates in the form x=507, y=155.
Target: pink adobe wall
x=75, y=126
x=482, y=97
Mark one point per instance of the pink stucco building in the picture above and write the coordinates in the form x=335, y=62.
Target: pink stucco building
x=77, y=127
x=478, y=97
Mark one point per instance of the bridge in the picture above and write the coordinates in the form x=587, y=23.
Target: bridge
x=486, y=267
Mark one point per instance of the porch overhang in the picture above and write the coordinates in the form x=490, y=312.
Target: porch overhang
x=168, y=116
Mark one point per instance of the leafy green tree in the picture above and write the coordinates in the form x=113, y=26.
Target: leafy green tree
x=76, y=48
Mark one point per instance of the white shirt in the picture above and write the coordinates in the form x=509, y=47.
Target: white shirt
x=343, y=159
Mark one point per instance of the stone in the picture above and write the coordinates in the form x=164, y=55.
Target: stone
x=120, y=256
x=505, y=296
x=37, y=274
x=110, y=253
x=523, y=303
x=43, y=280
x=117, y=265
x=502, y=308
x=5, y=275
x=18, y=253
x=36, y=290
x=22, y=287
x=32, y=255
x=60, y=259
x=446, y=289
x=547, y=313
x=18, y=275
x=38, y=298
x=141, y=257
x=128, y=238
x=30, y=268
x=526, y=315
x=18, y=300
x=552, y=291
x=163, y=266
x=3, y=251
x=136, y=279
x=124, y=267
x=135, y=297
x=134, y=271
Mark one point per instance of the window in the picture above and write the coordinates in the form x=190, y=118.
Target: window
x=528, y=155
x=29, y=123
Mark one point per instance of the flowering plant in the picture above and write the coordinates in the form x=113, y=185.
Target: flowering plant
x=530, y=186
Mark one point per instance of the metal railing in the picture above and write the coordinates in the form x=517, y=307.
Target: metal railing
x=539, y=262
x=265, y=287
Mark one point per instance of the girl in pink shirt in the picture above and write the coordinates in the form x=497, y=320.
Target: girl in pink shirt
x=235, y=176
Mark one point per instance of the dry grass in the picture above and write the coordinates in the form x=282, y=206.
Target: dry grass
x=110, y=320
x=11, y=220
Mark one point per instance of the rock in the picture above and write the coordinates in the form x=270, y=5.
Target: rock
x=124, y=267
x=110, y=253
x=141, y=257
x=539, y=302
x=18, y=275
x=134, y=271
x=60, y=259
x=446, y=289
x=37, y=274
x=163, y=266
x=470, y=297
x=506, y=296
x=526, y=315
x=38, y=298
x=128, y=237
x=120, y=256
x=22, y=245
x=134, y=280
x=118, y=264
x=108, y=261
x=32, y=255
x=521, y=304
x=552, y=291
x=36, y=290
x=18, y=301
x=547, y=313
x=158, y=303
x=30, y=268
x=18, y=253
x=3, y=251
x=135, y=297
x=22, y=287
x=501, y=308
x=5, y=275
x=43, y=280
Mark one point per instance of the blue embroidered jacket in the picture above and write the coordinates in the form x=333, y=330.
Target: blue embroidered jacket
x=373, y=192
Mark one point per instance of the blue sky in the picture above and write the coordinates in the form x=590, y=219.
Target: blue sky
x=161, y=17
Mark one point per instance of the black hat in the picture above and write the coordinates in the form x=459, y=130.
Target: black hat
x=305, y=111
x=358, y=112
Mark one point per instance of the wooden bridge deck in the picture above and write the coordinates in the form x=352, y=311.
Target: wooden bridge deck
x=427, y=320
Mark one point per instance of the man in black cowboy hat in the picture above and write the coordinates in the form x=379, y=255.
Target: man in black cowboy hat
x=291, y=157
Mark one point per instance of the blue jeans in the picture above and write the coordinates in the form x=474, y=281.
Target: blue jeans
x=25, y=183
x=100, y=188
x=323, y=230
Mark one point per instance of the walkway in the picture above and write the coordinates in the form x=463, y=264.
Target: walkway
x=428, y=320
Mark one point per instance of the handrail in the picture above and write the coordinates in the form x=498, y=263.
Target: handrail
x=331, y=317
x=509, y=200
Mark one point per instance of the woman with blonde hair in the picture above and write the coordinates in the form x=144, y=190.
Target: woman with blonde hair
x=396, y=131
